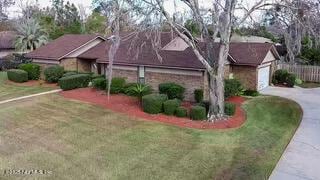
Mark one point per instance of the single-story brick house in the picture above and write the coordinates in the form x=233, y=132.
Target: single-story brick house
x=7, y=39
x=137, y=61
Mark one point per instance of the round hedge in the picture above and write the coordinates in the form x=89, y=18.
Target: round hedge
x=33, y=70
x=152, y=103
x=99, y=83
x=53, y=73
x=170, y=106
x=181, y=112
x=17, y=75
x=172, y=90
x=74, y=81
x=198, y=113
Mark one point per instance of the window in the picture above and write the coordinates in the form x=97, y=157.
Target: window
x=141, y=70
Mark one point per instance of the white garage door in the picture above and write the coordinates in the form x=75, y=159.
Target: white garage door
x=263, y=77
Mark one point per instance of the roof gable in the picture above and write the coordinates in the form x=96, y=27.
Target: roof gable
x=63, y=46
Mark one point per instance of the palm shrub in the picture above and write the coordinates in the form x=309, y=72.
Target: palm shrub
x=31, y=36
x=139, y=90
x=53, y=73
x=33, y=70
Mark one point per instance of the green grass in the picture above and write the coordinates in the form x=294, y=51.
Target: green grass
x=8, y=91
x=75, y=140
x=309, y=85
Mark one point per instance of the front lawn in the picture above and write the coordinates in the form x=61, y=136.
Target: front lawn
x=8, y=91
x=76, y=140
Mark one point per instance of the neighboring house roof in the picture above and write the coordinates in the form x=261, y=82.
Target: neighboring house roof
x=62, y=46
x=7, y=39
x=251, y=54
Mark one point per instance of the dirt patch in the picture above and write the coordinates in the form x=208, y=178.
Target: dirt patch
x=130, y=106
x=40, y=83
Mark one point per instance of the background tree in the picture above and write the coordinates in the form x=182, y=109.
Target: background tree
x=96, y=23
x=30, y=36
x=4, y=4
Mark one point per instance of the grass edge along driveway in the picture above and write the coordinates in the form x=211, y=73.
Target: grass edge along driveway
x=77, y=140
x=9, y=91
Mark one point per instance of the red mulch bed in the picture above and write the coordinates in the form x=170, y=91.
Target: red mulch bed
x=34, y=83
x=129, y=105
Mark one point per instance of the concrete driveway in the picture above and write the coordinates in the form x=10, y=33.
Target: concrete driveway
x=301, y=159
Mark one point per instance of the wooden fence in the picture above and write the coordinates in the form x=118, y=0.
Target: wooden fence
x=304, y=72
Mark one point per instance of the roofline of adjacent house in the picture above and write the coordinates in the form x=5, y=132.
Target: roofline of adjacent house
x=83, y=45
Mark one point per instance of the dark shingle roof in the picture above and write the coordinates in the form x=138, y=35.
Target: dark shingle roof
x=61, y=46
x=251, y=54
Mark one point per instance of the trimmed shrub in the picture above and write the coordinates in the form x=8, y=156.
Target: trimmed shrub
x=198, y=113
x=172, y=90
x=94, y=76
x=71, y=73
x=291, y=80
x=17, y=75
x=33, y=70
x=153, y=103
x=229, y=108
x=251, y=93
x=232, y=87
x=280, y=76
x=74, y=81
x=117, y=85
x=198, y=95
x=170, y=106
x=181, y=112
x=99, y=83
x=53, y=73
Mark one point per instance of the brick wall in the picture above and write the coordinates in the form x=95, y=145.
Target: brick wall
x=130, y=75
x=84, y=65
x=190, y=82
x=247, y=76
x=69, y=64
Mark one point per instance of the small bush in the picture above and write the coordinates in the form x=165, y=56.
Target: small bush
x=53, y=73
x=117, y=85
x=198, y=113
x=251, y=93
x=198, y=95
x=298, y=81
x=33, y=70
x=75, y=81
x=280, y=76
x=170, y=106
x=291, y=79
x=94, y=76
x=71, y=73
x=17, y=75
x=181, y=112
x=172, y=90
x=232, y=87
x=229, y=108
x=153, y=103
x=99, y=83
x=205, y=104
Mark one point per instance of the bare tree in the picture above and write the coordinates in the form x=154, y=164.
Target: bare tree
x=4, y=4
